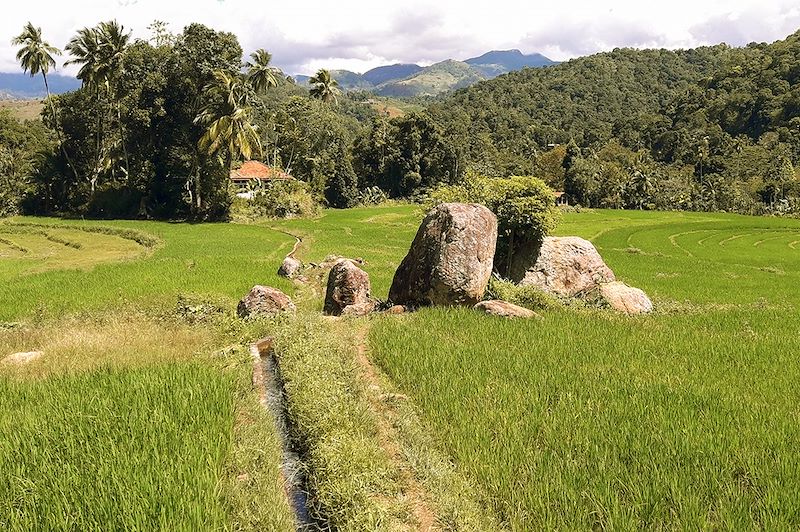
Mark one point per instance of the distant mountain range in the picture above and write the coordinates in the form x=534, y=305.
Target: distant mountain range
x=404, y=80
x=23, y=86
x=400, y=80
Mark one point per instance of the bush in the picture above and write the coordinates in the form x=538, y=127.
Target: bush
x=525, y=296
x=372, y=196
x=525, y=209
x=279, y=199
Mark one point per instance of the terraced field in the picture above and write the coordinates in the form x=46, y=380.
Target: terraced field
x=684, y=419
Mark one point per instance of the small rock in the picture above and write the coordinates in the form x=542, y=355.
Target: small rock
x=497, y=307
x=397, y=309
x=450, y=259
x=359, y=309
x=624, y=298
x=264, y=300
x=567, y=266
x=290, y=267
x=23, y=358
x=331, y=260
x=348, y=286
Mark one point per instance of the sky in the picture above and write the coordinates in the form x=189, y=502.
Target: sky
x=304, y=35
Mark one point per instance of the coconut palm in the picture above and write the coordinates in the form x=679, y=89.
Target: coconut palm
x=325, y=87
x=100, y=51
x=36, y=57
x=259, y=73
x=229, y=133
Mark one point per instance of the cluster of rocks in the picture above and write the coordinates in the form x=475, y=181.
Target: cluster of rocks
x=571, y=267
x=450, y=263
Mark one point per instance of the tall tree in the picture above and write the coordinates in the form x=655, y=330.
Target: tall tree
x=100, y=51
x=325, y=87
x=259, y=72
x=226, y=117
x=36, y=56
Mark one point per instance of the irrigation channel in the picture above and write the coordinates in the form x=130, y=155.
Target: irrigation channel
x=268, y=382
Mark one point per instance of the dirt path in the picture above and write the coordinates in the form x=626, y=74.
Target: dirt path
x=386, y=416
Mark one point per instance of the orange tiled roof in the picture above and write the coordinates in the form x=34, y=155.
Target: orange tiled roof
x=257, y=170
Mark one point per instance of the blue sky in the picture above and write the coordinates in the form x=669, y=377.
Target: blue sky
x=304, y=35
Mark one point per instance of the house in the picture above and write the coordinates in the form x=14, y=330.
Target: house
x=258, y=172
x=561, y=198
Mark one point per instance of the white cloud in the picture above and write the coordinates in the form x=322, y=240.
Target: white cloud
x=359, y=34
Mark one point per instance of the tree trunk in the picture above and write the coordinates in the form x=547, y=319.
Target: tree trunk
x=122, y=140
x=509, y=254
x=58, y=128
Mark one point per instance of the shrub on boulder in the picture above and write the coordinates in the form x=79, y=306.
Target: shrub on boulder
x=524, y=206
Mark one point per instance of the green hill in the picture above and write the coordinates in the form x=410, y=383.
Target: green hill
x=435, y=79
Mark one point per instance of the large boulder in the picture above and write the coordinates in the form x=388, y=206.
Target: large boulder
x=349, y=291
x=624, y=298
x=450, y=260
x=265, y=301
x=498, y=307
x=567, y=266
x=290, y=267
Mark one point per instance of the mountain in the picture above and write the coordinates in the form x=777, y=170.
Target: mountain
x=19, y=85
x=441, y=77
x=498, y=62
x=346, y=79
x=409, y=80
x=383, y=74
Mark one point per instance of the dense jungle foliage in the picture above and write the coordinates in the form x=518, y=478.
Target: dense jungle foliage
x=159, y=124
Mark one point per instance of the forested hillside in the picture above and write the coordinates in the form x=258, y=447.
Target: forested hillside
x=710, y=128
x=715, y=128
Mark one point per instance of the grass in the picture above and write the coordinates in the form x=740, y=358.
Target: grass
x=686, y=418
x=218, y=260
x=134, y=418
x=132, y=449
x=586, y=419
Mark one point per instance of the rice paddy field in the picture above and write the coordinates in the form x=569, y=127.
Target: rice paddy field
x=685, y=419
x=140, y=415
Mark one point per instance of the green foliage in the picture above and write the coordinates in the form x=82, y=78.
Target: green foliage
x=312, y=142
x=525, y=296
x=280, y=199
x=372, y=196
x=325, y=87
x=406, y=155
x=23, y=147
x=708, y=126
x=524, y=206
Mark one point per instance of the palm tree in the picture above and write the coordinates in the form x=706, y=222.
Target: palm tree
x=100, y=51
x=84, y=47
x=229, y=133
x=325, y=87
x=36, y=56
x=114, y=44
x=260, y=75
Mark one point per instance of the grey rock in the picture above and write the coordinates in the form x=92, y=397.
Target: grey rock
x=624, y=298
x=265, y=301
x=348, y=286
x=450, y=260
x=290, y=267
x=497, y=307
x=567, y=266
